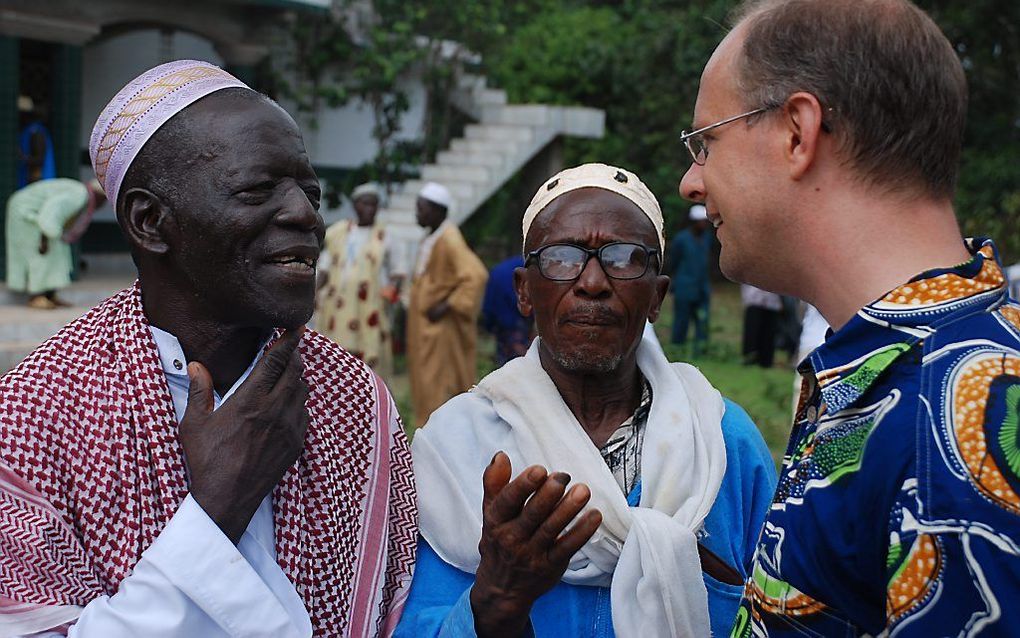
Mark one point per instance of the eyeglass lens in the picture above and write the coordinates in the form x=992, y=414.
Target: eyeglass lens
x=563, y=262
x=696, y=147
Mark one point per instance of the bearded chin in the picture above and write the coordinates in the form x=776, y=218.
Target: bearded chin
x=587, y=361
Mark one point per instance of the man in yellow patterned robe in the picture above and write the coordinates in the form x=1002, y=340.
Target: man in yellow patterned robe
x=362, y=277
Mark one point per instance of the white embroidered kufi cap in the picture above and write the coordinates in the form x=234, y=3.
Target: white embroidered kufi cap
x=141, y=108
x=610, y=178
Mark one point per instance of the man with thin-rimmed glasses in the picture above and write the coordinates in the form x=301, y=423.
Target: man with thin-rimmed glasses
x=826, y=147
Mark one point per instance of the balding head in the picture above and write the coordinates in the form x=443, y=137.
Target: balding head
x=893, y=88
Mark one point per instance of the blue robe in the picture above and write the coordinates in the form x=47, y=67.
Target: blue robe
x=438, y=603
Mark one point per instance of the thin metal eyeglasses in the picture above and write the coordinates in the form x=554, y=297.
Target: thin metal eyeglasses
x=695, y=140
x=566, y=262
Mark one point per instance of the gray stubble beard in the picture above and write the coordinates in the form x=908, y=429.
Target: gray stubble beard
x=585, y=362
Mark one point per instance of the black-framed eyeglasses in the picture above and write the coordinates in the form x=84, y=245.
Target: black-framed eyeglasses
x=566, y=262
x=695, y=140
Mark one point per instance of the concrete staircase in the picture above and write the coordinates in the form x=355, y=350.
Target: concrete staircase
x=475, y=166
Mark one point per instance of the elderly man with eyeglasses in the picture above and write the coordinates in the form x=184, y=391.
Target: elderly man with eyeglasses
x=591, y=486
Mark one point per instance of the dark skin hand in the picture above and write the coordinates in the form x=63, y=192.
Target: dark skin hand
x=44, y=244
x=438, y=311
x=237, y=454
x=524, y=550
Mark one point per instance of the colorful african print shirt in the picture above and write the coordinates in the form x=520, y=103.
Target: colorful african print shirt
x=898, y=505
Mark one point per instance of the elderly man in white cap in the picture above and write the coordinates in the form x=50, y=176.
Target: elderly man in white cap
x=360, y=274
x=446, y=297
x=666, y=483
x=185, y=460
x=687, y=265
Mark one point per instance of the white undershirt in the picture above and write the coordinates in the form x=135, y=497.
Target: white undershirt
x=192, y=581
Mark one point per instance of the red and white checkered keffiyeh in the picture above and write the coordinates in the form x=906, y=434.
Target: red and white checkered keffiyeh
x=91, y=471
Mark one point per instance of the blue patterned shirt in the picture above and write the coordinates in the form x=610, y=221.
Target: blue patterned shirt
x=898, y=505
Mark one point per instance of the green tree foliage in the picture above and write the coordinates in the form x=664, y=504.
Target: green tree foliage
x=641, y=61
x=986, y=35
x=328, y=67
x=330, y=63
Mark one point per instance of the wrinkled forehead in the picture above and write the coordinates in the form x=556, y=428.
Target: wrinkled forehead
x=591, y=217
x=237, y=135
x=237, y=118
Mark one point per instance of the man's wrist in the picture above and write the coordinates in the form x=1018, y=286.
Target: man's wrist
x=226, y=515
x=496, y=615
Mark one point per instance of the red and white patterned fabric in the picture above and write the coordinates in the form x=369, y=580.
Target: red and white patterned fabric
x=91, y=470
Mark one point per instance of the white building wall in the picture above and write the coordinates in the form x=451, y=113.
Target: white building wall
x=340, y=138
x=111, y=63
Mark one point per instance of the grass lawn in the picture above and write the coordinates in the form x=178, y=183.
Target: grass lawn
x=766, y=394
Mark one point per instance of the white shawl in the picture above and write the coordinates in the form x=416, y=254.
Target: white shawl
x=648, y=554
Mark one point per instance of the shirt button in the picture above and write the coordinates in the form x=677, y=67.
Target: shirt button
x=178, y=365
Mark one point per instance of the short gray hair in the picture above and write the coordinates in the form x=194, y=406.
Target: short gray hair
x=892, y=87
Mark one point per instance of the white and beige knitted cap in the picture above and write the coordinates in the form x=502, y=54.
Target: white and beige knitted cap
x=610, y=178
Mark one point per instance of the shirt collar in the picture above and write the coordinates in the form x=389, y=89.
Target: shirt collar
x=852, y=358
x=171, y=356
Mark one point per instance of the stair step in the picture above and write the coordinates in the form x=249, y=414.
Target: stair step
x=403, y=201
x=471, y=82
x=517, y=114
x=499, y=132
x=397, y=216
x=504, y=138
x=442, y=173
x=581, y=121
x=470, y=158
x=484, y=145
x=489, y=97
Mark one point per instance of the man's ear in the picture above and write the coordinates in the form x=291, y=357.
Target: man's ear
x=661, y=288
x=142, y=218
x=802, y=117
x=523, y=296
